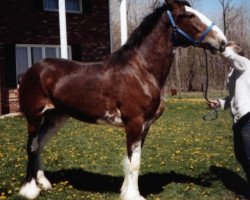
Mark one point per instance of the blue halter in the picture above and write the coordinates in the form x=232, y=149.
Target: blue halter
x=177, y=30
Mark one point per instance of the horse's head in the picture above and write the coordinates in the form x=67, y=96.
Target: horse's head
x=193, y=28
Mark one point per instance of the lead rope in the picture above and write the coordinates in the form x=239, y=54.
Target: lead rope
x=213, y=114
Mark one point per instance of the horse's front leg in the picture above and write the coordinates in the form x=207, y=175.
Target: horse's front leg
x=134, y=132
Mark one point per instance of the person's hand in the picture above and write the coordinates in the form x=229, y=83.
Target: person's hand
x=213, y=104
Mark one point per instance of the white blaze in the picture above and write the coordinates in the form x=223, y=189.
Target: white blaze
x=206, y=21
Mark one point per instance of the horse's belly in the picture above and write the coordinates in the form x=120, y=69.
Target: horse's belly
x=112, y=118
x=96, y=113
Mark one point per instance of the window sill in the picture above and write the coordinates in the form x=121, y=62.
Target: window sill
x=67, y=11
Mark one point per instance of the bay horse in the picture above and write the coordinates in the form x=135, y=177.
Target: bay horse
x=125, y=90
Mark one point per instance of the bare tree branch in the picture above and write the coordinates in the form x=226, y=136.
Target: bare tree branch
x=232, y=19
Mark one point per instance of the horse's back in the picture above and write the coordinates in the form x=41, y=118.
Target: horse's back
x=64, y=84
x=51, y=70
x=38, y=82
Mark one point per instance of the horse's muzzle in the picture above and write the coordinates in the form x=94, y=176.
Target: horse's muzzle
x=223, y=45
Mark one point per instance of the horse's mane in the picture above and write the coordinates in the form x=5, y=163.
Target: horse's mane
x=138, y=35
x=145, y=28
x=148, y=24
x=183, y=2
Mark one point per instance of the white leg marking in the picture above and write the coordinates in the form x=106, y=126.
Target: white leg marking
x=48, y=107
x=34, y=145
x=43, y=181
x=129, y=190
x=30, y=190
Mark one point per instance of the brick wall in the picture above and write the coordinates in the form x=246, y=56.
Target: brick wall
x=22, y=22
x=13, y=105
x=2, y=99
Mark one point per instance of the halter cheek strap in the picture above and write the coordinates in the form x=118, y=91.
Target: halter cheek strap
x=177, y=30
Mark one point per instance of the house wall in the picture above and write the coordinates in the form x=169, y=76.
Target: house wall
x=1, y=77
x=25, y=22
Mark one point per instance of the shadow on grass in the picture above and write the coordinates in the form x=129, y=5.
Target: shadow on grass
x=231, y=180
x=151, y=183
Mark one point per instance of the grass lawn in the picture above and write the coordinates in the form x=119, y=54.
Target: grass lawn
x=184, y=157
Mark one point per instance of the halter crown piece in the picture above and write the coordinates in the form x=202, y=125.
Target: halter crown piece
x=177, y=30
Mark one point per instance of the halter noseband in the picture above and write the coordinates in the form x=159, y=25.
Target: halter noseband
x=177, y=30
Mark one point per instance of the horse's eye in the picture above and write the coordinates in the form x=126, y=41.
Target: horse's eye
x=187, y=15
x=191, y=15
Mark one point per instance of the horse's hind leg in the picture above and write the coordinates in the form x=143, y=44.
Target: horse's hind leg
x=39, y=133
x=135, y=132
x=53, y=120
x=30, y=189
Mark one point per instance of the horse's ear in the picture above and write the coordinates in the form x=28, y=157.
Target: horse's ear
x=171, y=5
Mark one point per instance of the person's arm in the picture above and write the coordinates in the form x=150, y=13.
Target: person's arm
x=225, y=103
x=239, y=62
x=220, y=103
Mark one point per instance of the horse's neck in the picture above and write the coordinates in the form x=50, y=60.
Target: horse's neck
x=156, y=54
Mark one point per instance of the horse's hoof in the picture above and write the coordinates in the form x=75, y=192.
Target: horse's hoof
x=43, y=181
x=141, y=198
x=30, y=190
x=132, y=198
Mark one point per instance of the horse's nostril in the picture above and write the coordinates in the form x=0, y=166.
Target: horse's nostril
x=223, y=45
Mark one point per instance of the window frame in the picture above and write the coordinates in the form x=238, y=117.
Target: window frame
x=43, y=46
x=67, y=11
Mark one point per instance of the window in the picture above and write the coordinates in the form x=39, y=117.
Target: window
x=72, y=6
x=27, y=55
x=21, y=61
x=36, y=54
